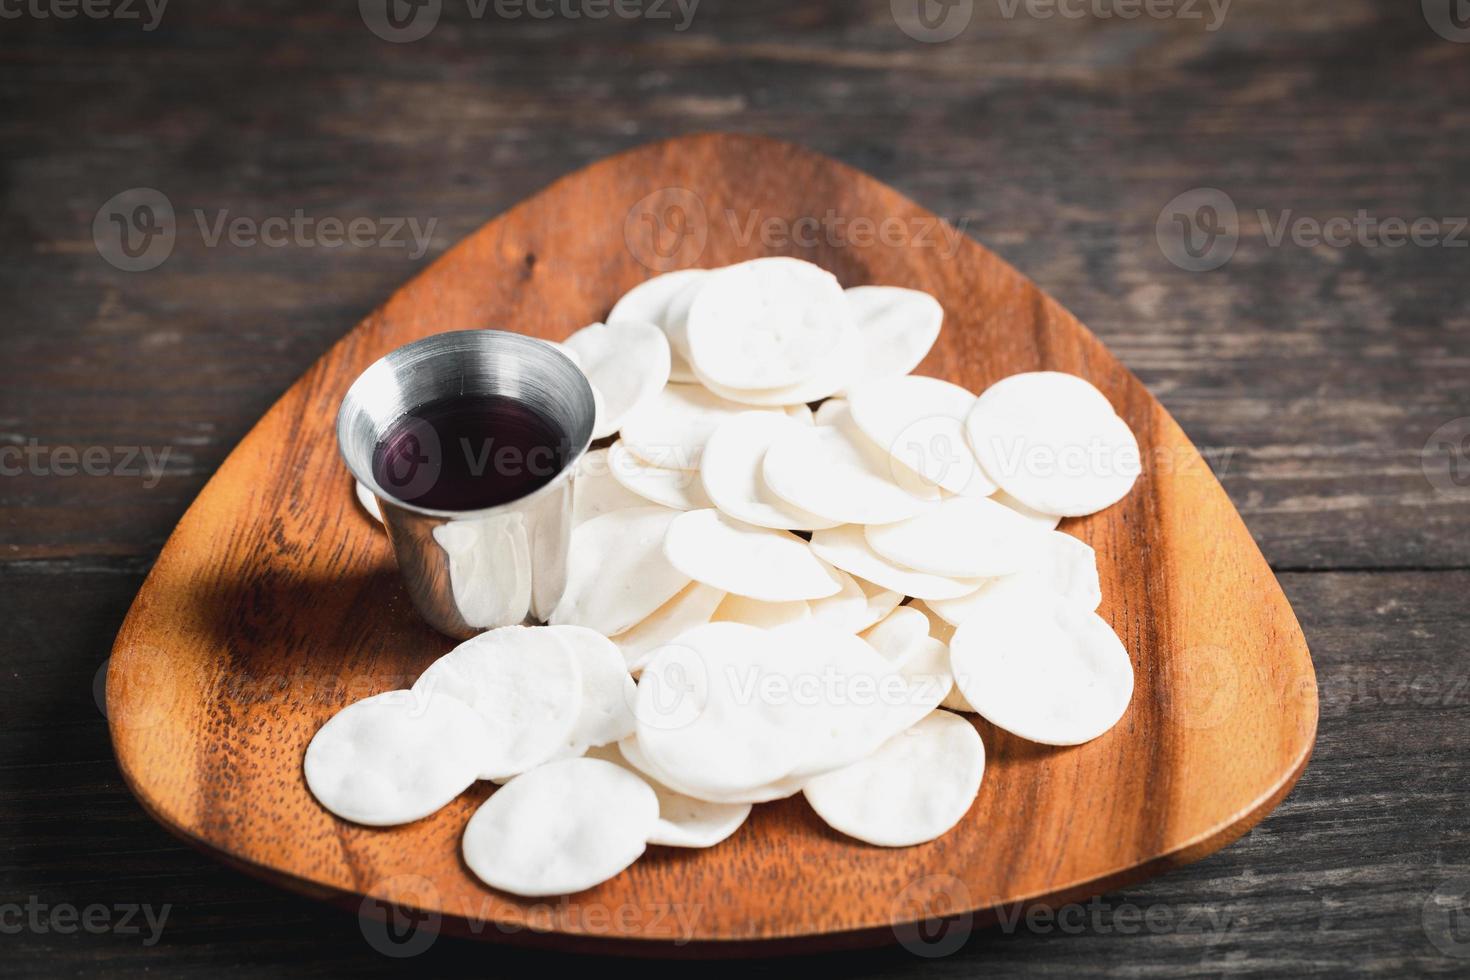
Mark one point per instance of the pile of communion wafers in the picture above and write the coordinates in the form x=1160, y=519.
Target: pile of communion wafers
x=796, y=571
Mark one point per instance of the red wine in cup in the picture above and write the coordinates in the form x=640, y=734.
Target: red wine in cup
x=468, y=452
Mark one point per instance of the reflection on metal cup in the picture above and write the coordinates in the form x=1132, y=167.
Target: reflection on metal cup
x=472, y=570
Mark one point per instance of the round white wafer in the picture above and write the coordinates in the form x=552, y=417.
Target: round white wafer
x=595, y=492
x=690, y=608
x=913, y=789
x=1053, y=442
x=756, y=562
x=1061, y=563
x=765, y=323
x=369, y=502
x=835, y=473
x=1040, y=668
x=394, y=758
x=881, y=601
x=833, y=411
x=671, y=429
x=525, y=683
x=732, y=478
x=778, y=790
x=627, y=363
x=802, y=413
x=617, y=574
x=677, y=489
x=849, y=609
x=753, y=612
x=962, y=537
x=847, y=548
x=896, y=326
x=899, y=635
x=831, y=376
x=703, y=717
x=683, y=821
x=664, y=301
x=920, y=423
x=1048, y=521
x=606, y=714
x=561, y=828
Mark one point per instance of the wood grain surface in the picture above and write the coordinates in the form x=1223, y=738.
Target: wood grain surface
x=274, y=603
x=1310, y=377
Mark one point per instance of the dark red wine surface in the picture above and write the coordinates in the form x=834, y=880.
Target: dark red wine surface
x=469, y=452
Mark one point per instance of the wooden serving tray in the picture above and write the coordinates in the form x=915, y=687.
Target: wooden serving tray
x=276, y=602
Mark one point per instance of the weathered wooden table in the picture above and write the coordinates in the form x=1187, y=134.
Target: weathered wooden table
x=1323, y=365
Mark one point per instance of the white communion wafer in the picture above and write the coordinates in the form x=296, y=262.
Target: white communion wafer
x=896, y=327
x=913, y=789
x=677, y=489
x=831, y=412
x=847, y=548
x=683, y=821
x=1048, y=521
x=779, y=789
x=561, y=828
x=1053, y=442
x=1060, y=563
x=732, y=478
x=1041, y=668
x=672, y=428
x=900, y=634
x=765, y=323
x=617, y=574
x=920, y=422
x=836, y=473
x=606, y=714
x=753, y=612
x=690, y=608
x=963, y=537
x=831, y=376
x=525, y=682
x=595, y=492
x=881, y=601
x=756, y=562
x=802, y=413
x=394, y=758
x=943, y=632
x=627, y=362
x=848, y=609
x=369, y=502
x=664, y=301
x=703, y=719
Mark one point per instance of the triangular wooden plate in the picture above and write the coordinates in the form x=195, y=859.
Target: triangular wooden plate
x=276, y=601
